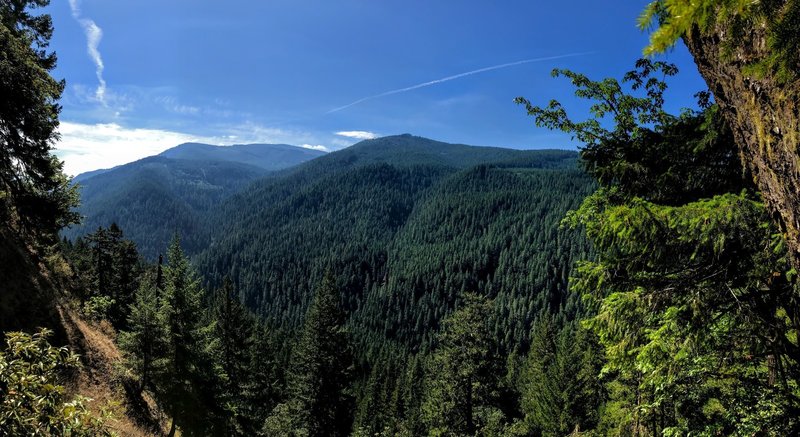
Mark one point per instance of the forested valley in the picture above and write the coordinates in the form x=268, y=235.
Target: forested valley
x=645, y=285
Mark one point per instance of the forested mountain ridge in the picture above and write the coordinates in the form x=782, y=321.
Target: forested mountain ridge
x=407, y=287
x=376, y=210
x=266, y=156
x=407, y=149
x=399, y=151
x=156, y=196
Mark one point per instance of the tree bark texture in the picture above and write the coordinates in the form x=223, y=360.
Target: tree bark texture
x=763, y=114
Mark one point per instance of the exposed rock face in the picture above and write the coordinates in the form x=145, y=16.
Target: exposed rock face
x=763, y=114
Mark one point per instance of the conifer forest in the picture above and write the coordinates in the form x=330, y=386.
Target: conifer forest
x=643, y=282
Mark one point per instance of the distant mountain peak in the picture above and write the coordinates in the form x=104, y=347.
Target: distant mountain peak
x=268, y=156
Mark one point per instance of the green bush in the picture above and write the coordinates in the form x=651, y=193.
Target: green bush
x=97, y=308
x=31, y=400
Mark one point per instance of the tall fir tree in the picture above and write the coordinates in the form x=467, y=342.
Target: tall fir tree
x=234, y=333
x=560, y=385
x=32, y=184
x=144, y=345
x=189, y=380
x=265, y=382
x=540, y=396
x=320, y=402
x=463, y=374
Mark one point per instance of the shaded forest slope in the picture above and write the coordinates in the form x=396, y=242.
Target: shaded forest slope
x=408, y=224
x=34, y=295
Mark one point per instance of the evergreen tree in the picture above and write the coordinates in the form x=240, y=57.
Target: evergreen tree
x=462, y=377
x=319, y=398
x=541, y=396
x=144, y=345
x=234, y=333
x=115, y=271
x=189, y=380
x=560, y=385
x=264, y=383
x=126, y=270
x=31, y=179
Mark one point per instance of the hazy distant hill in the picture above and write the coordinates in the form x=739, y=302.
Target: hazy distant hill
x=266, y=156
x=154, y=197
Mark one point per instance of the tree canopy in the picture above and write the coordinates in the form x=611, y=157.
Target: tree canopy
x=31, y=179
x=692, y=289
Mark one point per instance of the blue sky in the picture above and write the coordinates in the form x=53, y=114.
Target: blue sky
x=147, y=75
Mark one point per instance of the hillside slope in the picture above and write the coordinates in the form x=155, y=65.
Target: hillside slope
x=267, y=156
x=154, y=197
x=407, y=224
x=34, y=295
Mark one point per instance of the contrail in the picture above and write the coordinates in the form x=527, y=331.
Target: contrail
x=457, y=76
x=93, y=36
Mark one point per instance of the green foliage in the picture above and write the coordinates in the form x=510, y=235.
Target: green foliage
x=560, y=386
x=30, y=176
x=673, y=19
x=692, y=295
x=246, y=360
x=31, y=400
x=651, y=154
x=108, y=270
x=187, y=386
x=98, y=308
x=404, y=241
x=319, y=401
x=462, y=387
x=694, y=312
x=264, y=382
x=145, y=346
x=208, y=363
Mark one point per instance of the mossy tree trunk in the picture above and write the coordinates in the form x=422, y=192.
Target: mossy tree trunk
x=763, y=113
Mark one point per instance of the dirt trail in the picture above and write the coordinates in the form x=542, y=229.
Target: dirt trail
x=132, y=415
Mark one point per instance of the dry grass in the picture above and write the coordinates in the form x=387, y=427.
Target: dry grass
x=32, y=295
x=133, y=414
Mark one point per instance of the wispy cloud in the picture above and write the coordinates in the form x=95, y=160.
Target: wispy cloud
x=456, y=76
x=172, y=104
x=93, y=34
x=358, y=134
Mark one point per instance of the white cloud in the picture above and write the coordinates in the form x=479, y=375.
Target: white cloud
x=93, y=34
x=358, y=134
x=315, y=147
x=85, y=147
